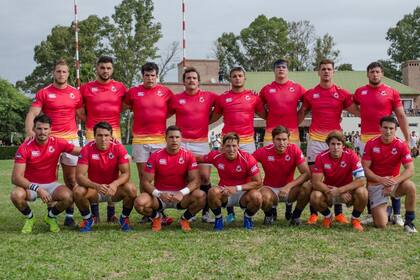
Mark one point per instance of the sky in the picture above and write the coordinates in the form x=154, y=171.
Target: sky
x=358, y=26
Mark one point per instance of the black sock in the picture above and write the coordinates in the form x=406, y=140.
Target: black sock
x=217, y=212
x=268, y=213
x=187, y=215
x=230, y=210
x=338, y=209
x=126, y=211
x=396, y=205
x=70, y=211
x=249, y=213
x=84, y=213
x=289, y=207
x=27, y=212
x=296, y=213
x=326, y=212
x=356, y=213
x=368, y=208
x=409, y=217
x=312, y=210
x=110, y=211
x=205, y=188
x=95, y=209
x=155, y=214
x=53, y=212
x=274, y=211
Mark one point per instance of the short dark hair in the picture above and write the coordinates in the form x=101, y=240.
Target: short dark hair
x=375, y=64
x=279, y=130
x=390, y=119
x=335, y=134
x=61, y=62
x=190, y=70
x=325, y=61
x=42, y=119
x=230, y=136
x=105, y=59
x=103, y=125
x=280, y=61
x=149, y=66
x=236, y=69
x=172, y=128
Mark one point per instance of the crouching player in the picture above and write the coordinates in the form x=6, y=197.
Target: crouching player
x=338, y=177
x=103, y=173
x=382, y=159
x=239, y=181
x=279, y=161
x=171, y=180
x=35, y=174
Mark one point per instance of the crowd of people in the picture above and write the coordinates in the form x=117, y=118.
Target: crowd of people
x=174, y=163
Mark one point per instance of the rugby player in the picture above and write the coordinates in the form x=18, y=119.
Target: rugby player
x=103, y=100
x=279, y=161
x=376, y=100
x=35, y=174
x=382, y=160
x=61, y=102
x=171, y=180
x=103, y=174
x=193, y=108
x=239, y=182
x=338, y=177
x=326, y=102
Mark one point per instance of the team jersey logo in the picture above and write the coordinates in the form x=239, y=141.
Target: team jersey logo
x=335, y=94
x=71, y=95
x=238, y=168
x=182, y=101
x=52, y=95
x=408, y=156
x=376, y=150
x=301, y=155
x=201, y=100
x=287, y=158
x=272, y=90
x=163, y=161
x=113, y=89
x=327, y=166
x=343, y=164
x=159, y=93
x=111, y=156
x=254, y=168
x=394, y=151
x=18, y=156
x=221, y=166
x=292, y=89
x=247, y=97
x=181, y=160
x=51, y=149
x=149, y=165
x=35, y=153
x=140, y=93
x=94, y=89
x=315, y=95
x=228, y=100
x=364, y=92
x=271, y=158
x=95, y=156
x=127, y=156
x=194, y=164
x=383, y=93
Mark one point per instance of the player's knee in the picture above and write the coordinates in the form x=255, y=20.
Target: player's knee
x=316, y=197
x=256, y=197
x=361, y=193
x=18, y=195
x=130, y=190
x=79, y=192
x=141, y=201
x=411, y=188
x=214, y=193
x=380, y=224
x=306, y=187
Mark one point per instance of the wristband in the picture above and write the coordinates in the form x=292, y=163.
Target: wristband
x=156, y=193
x=185, y=191
x=239, y=188
x=33, y=187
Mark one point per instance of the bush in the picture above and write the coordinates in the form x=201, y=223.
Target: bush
x=8, y=152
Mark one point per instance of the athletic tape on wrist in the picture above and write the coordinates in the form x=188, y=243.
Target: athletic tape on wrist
x=156, y=193
x=185, y=191
x=33, y=187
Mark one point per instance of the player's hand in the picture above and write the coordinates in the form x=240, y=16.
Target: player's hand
x=177, y=197
x=103, y=189
x=335, y=192
x=166, y=197
x=44, y=195
x=228, y=191
x=29, y=135
x=387, y=181
x=283, y=193
x=346, y=197
x=112, y=189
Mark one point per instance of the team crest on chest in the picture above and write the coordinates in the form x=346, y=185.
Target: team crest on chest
x=51, y=149
x=113, y=89
x=181, y=160
x=71, y=95
x=159, y=93
x=343, y=164
x=287, y=158
x=291, y=89
x=111, y=156
x=201, y=100
x=221, y=166
x=394, y=151
x=238, y=168
x=383, y=93
x=228, y=100
x=335, y=94
x=247, y=97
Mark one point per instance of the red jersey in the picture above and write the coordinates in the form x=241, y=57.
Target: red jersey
x=60, y=105
x=386, y=159
x=279, y=169
x=281, y=101
x=41, y=160
x=375, y=103
x=103, y=166
x=238, y=110
x=233, y=172
x=192, y=114
x=338, y=172
x=326, y=106
x=103, y=102
x=171, y=171
x=150, y=107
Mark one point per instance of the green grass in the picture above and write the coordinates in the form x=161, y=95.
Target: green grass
x=277, y=252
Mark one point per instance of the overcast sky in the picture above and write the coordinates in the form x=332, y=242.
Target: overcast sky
x=358, y=26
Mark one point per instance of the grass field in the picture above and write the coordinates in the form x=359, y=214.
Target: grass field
x=276, y=252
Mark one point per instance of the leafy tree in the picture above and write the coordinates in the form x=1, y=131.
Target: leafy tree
x=324, y=48
x=405, y=38
x=167, y=60
x=391, y=70
x=13, y=109
x=345, y=67
x=302, y=37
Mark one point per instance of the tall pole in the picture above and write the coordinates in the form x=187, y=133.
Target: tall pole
x=76, y=32
x=184, y=42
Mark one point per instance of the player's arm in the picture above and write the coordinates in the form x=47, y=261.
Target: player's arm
x=318, y=183
x=402, y=120
x=353, y=109
x=76, y=151
x=406, y=174
x=29, y=120
x=82, y=178
x=123, y=178
x=304, y=176
x=193, y=180
x=214, y=117
x=255, y=183
x=81, y=114
x=302, y=113
x=372, y=177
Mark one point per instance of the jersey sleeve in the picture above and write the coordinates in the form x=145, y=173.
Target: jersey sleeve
x=348, y=100
x=299, y=157
x=192, y=163
x=258, y=154
x=252, y=166
x=21, y=155
x=65, y=146
x=39, y=99
x=356, y=166
x=396, y=101
x=262, y=95
x=209, y=158
x=123, y=156
x=356, y=97
x=84, y=156
x=367, y=153
x=79, y=103
x=127, y=98
x=405, y=154
x=150, y=166
x=218, y=109
x=306, y=102
x=259, y=106
x=317, y=167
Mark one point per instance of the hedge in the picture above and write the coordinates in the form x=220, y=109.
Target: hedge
x=8, y=152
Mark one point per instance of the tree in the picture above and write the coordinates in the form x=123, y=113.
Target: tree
x=391, y=70
x=133, y=39
x=13, y=109
x=345, y=67
x=324, y=48
x=405, y=38
x=302, y=38
x=167, y=61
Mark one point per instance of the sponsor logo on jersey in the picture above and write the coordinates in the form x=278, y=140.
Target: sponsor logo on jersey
x=163, y=161
x=271, y=158
x=95, y=156
x=181, y=160
x=51, y=149
x=140, y=93
x=408, y=156
x=364, y=92
x=94, y=89
x=228, y=100
x=394, y=151
x=182, y=101
x=238, y=168
x=194, y=164
x=315, y=95
x=376, y=150
x=254, y=168
x=35, y=153
x=359, y=164
x=52, y=95
x=221, y=166
x=201, y=100
x=343, y=164
x=292, y=89
x=327, y=166
x=111, y=155
x=272, y=90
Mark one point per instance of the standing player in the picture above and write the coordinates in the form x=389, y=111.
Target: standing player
x=281, y=99
x=326, y=102
x=103, y=99
x=150, y=105
x=193, y=108
x=239, y=182
x=377, y=100
x=171, y=180
x=279, y=161
x=382, y=160
x=60, y=102
x=338, y=177
x=34, y=174
x=103, y=174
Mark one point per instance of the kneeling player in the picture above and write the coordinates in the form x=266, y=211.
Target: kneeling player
x=35, y=174
x=239, y=181
x=382, y=159
x=171, y=180
x=103, y=173
x=279, y=161
x=332, y=181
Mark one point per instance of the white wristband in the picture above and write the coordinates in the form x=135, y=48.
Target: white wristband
x=156, y=193
x=185, y=191
x=239, y=188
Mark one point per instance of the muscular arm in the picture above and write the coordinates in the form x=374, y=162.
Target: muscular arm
x=29, y=120
x=402, y=120
x=193, y=180
x=255, y=183
x=147, y=182
x=357, y=183
x=304, y=176
x=406, y=174
x=262, y=114
x=214, y=117
x=82, y=178
x=370, y=175
x=81, y=114
x=18, y=178
x=76, y=151
x=318, y=184
x=124, y=175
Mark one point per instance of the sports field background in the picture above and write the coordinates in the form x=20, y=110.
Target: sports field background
x=276, y=252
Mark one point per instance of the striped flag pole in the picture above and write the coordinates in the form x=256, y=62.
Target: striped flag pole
x=76, y=32
x=184, y=43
